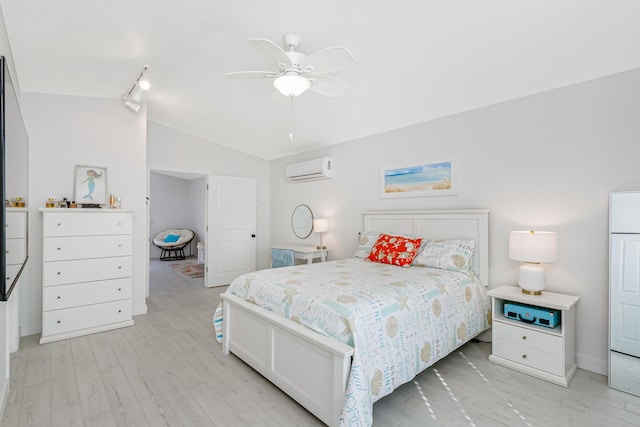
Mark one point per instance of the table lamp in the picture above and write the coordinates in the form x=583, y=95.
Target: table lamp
x=321, y=225
x=532, y=247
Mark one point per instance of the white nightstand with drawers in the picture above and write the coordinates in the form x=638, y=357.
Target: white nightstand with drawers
x=87, y=256
x=546, y=353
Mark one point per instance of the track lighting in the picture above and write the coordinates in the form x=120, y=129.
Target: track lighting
x=133, y=98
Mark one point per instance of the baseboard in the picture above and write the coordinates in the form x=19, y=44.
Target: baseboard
x=4, y=395
x=592, y=364
x=139, y=309
x=25, y=331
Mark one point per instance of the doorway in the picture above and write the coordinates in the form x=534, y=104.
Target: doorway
x=220, y=210
x=178, y=201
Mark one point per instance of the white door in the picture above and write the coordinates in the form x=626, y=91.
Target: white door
x=625, y=293
x=231, y=229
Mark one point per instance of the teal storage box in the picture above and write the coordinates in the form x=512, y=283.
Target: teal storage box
x=531, y=314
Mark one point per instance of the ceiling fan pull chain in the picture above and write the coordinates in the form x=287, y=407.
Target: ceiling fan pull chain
x=291, y=118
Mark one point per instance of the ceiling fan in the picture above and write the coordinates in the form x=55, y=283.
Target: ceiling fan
x=297, y=72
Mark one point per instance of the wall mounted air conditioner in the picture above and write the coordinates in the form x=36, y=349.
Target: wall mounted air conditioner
x=310, y=170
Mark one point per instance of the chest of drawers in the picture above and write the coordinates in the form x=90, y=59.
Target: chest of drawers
x=87, y=256
x=16, y=242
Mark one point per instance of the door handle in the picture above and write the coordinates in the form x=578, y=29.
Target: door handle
x=253, y=236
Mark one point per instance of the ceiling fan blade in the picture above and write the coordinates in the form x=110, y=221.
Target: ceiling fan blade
x=251, y=75
x=271, y=52
x=327, y=60
x=327, y=86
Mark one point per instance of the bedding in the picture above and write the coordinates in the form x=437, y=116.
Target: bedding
x=399, y=320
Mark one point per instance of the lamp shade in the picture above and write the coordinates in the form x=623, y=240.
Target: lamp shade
x=533, y=246
x=320, y=225
x=291, y=84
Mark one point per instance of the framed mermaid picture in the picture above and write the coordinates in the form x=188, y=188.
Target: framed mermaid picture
x=91, y=185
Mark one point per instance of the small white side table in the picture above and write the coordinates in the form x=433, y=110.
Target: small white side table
x=546, y=353
x=308, y=253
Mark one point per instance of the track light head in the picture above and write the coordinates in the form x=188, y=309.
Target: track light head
x=144, y=84
x=130, y=102
x=133, y=98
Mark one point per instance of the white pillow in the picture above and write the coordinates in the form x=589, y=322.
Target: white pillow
x=454, y=254
x=367, y=240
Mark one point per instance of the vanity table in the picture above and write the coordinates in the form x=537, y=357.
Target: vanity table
x=305, y=252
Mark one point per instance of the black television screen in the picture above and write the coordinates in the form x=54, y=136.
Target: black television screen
x=14, y=170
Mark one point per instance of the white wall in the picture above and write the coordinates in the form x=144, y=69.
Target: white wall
x=546, y=161
x=174, y=203
x=171, y=150
x=65, y=131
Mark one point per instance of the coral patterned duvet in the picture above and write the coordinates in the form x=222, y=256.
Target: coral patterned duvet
x=399, y=320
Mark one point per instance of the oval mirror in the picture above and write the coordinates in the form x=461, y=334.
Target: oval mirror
x=302, y=221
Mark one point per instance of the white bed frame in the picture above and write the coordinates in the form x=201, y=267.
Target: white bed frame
x=282, y=350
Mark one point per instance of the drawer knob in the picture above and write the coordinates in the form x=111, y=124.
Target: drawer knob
x=58, y=273
x=119, y=289
x=119, y=311
x=58, y=296
x=120, y=267
x=524, y=337
x=59, y=224
x=524, y=356
x=7, y=251
x=58, y=321
x=119, y=245
x=8, y=277
x=58, y=248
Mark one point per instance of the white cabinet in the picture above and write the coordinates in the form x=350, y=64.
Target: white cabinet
x=87, y=256
x=16, y=242
x=546, y=353
x=624, y=292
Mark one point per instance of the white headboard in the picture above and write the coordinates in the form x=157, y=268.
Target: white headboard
x=439, y=225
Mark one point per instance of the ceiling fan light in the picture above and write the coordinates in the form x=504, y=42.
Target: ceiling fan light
x=291, y=85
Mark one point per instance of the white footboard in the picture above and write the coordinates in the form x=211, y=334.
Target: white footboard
x=309, y=367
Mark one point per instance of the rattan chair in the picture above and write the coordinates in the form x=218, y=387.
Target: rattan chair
x=172, y=248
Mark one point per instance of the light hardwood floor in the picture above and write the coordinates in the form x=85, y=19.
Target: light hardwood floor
x=168, y=370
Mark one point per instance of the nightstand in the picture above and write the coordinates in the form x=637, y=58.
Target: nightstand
x=545, y=353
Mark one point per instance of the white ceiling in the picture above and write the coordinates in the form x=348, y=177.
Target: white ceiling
x=415, y=60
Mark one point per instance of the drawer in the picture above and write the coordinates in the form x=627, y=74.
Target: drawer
x=551, y=344
x=78, y=223
x=86, y=270
x=88, y=316
x=16, y=250
x=77, y=294
x=11, y=273
x=67, y=248
x=528, y=356
x=16, y=225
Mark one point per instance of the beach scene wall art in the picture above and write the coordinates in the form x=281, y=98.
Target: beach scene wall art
x=428, y=179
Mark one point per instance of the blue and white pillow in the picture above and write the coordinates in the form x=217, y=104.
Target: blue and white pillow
x=453, y=254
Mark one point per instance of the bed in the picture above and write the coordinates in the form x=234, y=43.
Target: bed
x=333, y=365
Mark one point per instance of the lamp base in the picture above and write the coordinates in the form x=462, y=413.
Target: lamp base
x=531, y=278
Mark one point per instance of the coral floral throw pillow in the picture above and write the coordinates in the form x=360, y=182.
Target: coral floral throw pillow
x=395, y=250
